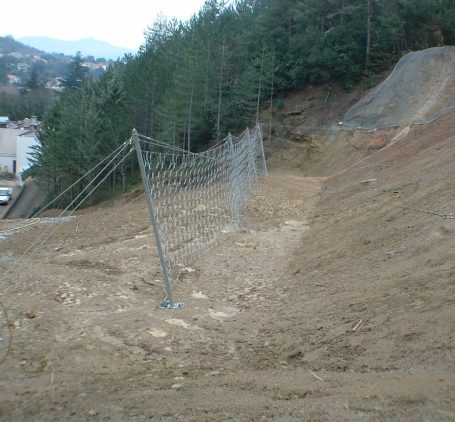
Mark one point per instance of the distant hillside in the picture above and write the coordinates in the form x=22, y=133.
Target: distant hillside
x=31, y=79
x=9, y=45
x=18, y=61
x=87, y=46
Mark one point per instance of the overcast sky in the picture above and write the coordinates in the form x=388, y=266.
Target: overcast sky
x=121, y=23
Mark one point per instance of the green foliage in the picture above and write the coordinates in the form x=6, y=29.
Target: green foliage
x=195, y=81
x=76, y=72
x=448, y=26
x=18, y=105
x=77, y=134
x=3, y=70
x=279, y=103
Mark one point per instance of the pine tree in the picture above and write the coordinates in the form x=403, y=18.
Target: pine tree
x=76, y=72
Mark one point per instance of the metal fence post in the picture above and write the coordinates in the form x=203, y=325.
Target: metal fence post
x=237, y=185
x=168, y=302
x=266, y=173
x=251, y=161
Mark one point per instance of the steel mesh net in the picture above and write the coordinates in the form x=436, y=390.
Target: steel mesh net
x=197, y=198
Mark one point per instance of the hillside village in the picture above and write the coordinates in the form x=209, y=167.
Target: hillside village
x=19, y=62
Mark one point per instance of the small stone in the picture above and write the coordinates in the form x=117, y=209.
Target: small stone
x=92, y=412
x=177, y=322
x=155, y=332
x=295, y=354
x=367, y=181
x=212, y=373
x=199, y=295
x=30, y=313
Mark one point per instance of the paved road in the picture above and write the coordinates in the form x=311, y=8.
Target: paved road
x=27, y=202
x=10, y=183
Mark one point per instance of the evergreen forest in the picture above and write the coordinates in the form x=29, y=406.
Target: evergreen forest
x=193, y=82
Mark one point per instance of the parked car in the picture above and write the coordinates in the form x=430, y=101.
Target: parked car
x=5, y=195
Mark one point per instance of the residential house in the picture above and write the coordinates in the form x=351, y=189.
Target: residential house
x=23, y=67
x=24, y=146
x=8, y=141
x=16, y=142
x=57, y=84
x=13, y=79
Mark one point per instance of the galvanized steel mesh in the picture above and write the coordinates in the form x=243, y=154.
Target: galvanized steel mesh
x=199, y=197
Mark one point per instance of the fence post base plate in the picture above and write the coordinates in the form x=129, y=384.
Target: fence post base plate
x=166, y=304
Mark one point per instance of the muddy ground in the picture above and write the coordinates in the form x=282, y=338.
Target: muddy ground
x=338, y=305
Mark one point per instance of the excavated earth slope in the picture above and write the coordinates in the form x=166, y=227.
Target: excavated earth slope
x=420, y=88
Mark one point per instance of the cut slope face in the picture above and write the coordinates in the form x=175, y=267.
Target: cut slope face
x=419, y=90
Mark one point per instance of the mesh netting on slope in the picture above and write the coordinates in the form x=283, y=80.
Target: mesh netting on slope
x=199, y=197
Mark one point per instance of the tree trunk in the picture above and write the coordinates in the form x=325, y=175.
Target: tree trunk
x=220, y=89
x=271, y=96
x=123, y=172
x=189, y=117
x=259, y=89
x=206, y=85
x=369, y=13
x=342, y=13
x=152, y=111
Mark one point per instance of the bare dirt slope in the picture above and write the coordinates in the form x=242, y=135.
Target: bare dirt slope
x=420, y=88
x=338, y=305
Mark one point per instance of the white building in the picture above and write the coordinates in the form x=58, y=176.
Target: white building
x=16, y=142
x=25, y=142
x=13, y=79
x=8, y=141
